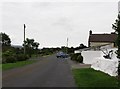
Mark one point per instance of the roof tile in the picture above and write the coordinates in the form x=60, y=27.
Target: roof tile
x=102, y=37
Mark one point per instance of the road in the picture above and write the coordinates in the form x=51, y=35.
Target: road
x=47, y=72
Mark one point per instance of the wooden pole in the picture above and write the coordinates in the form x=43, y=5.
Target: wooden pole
x=24, y=38
x=67, y=46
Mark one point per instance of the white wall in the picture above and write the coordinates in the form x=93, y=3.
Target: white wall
x=89, y=56
x=106, y=65
x=98, y=62
x=77, y=51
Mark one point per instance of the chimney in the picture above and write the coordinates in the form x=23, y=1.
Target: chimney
x=90, y=32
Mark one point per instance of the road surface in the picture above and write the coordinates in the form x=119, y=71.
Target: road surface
x=47, y=72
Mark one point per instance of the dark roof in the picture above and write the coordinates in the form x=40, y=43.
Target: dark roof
x=102, y=37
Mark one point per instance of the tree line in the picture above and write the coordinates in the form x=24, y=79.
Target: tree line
x=12, y=54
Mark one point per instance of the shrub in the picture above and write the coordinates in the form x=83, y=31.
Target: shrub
x=7, y=53
x=80, y=58
x=119, y=69
x=3, y=60
x=22, y=57
x=73, y=57
x=10, y=59
x=118, y=54
x=77, y=57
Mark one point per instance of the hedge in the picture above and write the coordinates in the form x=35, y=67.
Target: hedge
x=77, y=57
x=11, y=57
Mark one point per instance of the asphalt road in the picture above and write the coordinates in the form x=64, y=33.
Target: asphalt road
x=48, y=72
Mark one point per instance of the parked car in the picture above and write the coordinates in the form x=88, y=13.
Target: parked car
x=61, y=55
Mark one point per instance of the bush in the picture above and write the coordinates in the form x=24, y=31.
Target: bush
x=22, y=57
x=73, y=57
x=80, y=58
x=7, y=53
x=77, y=57
x=9, y=59
x=3, y=60
x=118, y=54
x=119, y=69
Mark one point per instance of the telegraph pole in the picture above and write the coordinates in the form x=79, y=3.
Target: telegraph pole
x=67, y=42
x=67, y=46
x=24, y=38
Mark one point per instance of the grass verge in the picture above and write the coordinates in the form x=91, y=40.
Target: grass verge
x=17, y=64
x=87, y=78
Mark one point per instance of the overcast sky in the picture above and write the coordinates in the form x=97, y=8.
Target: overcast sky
x=50, y=23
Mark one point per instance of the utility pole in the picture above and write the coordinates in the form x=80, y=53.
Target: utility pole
x=67, y=46
x=67, y=42
x=24, y=38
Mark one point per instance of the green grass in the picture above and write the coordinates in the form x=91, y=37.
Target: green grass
x=17, y=64
x=89, y=78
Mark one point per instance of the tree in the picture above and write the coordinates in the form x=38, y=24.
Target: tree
x=64, y=49
x=29, y=42
x=116, y=27
x=35, y=45
x=71, y=50
x=5, y=39
x=81, y=46
x=30, y=46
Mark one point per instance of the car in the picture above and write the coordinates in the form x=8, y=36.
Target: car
x=61, y=55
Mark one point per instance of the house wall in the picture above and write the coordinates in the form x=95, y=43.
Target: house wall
x=100, y=43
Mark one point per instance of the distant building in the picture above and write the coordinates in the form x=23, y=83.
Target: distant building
x=101, y=39
x=17, y=46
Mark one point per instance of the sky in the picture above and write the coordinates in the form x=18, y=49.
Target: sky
x=51, y=22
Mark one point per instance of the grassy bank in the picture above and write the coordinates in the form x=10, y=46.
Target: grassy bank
x=88, y=78
x=20, y=63
x=17, y=64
